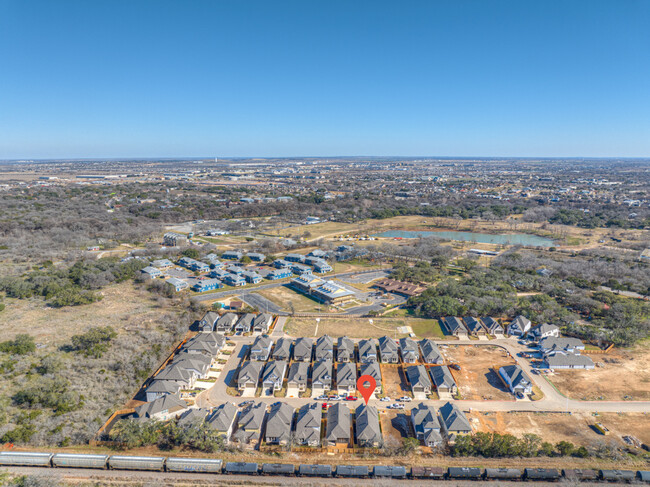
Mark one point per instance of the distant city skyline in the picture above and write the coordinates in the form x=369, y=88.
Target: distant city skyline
x=462, y=79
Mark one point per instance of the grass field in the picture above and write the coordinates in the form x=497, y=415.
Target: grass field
x=284, y=297
x=361, y=327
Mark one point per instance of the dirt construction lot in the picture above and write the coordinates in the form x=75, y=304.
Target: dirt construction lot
x=625, y=375
x=476, y=380
x=395, y=426
x=355, y=327
x=554, y=427
x=394, y=382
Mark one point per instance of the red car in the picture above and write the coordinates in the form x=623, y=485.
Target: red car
x=325, y=405
x=350, y=398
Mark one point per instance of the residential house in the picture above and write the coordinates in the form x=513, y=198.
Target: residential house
x=302, y=349
x=177, y=284
x=222, y=420
x=388, y=350
x=245, y=323
x=453, y=421
x=256, y=256
x=294, y=258
x=193, y=416
x=232, y=255
x=235, y=269
x=409, y=350
x=208, y=321
x=206, y=285
x=273, y=376
x=372, y=369
x=205, y=343
x=318, y=253
x=278, y=424
x=183, y=377
x=419, y=381
x=162, y=263
x=474, y=326
x=367, y=351
x=226, y=322
x=262, y=322
x=261, y=348
x=516, y=379
x=564, y=344
x=321, y=377
x=300, y=269
x=367, y=427
x=249, y=425
x=321, y=267
x=162, y=409
x=158, y=388
x=493, y=327
x=337, y=431
x=454, y=326
x=426, y=425
x=251, y=277
x=308, y=425
x=519, y=326
x=444, y=381
x=344, y=350
x=430, y=352
x=544, y=330
x=276, y=274
x=220, y=274
x=297, y=378
x=282, y=349
x=281, y=264
x=234, y=280
x=324, y=349
x=249, y=376
x=346, y=378
x=150, y=272
x=559, y=360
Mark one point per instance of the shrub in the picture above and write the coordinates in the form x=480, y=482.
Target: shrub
x=21, y=345
x=94, y=342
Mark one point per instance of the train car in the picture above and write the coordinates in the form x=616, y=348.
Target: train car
x=243, y=468
x=306, y=470
x=616, y=475
x=119, y=462
x=431, y=473
x=467, y=473
x=278, y=469
x=74, y=460
x=352, y=471
x=502, y=474
x=27, y=459
x=580, y=475
x=643, y=476
x=545, y=474
x=204, y=465
x=390, y=472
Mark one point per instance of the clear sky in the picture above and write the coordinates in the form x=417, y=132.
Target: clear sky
x=137, y=78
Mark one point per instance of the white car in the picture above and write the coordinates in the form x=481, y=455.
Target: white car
x=385, y=399
x=321, y=398
x=397, y=406
x=405, y=399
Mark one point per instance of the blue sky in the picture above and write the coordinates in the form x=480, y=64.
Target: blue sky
x=94, y=78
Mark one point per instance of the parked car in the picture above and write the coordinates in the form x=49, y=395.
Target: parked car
x=455, y=367
x=405, y=399
x=350, y=398
x=245, y=403
x=520, y=395
x=386, y=399
x=333, y=398
x=397, y=405
x=321, y=398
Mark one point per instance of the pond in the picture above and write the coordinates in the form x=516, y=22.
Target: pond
x=507, y=239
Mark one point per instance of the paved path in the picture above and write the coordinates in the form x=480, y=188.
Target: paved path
x=553, y=401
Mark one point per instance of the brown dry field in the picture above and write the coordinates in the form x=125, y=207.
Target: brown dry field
x=53, y=327
x=624, y=373
x=283, y=295
x=394, y=382
x=555, y=427
x=476, y=380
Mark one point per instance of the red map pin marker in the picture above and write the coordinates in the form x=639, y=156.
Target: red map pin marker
x=366, y=390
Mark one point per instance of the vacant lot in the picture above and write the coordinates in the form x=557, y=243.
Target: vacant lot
x=625, y=375
x=394, y=382
x=361, y=327
x=476, y=380
x=395, y=426
x=554, y=427
x=286, y=297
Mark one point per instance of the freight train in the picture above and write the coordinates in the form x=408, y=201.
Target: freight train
x=215, y=465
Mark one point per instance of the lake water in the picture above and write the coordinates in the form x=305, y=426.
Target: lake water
x=507, y=239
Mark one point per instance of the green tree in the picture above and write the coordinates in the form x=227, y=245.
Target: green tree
x=21, y=345
x=191, y=253
x=94, y=342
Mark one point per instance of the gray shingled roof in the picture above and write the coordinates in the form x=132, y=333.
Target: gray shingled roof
x=367, y=425
x=346, y=374
x=222, y=416
x=430, y=352
x=371, y=369
x=278, y=422
x=338, y=422
x=441, y=377
x=168, y=402
x=418, y=376
x=308, y=424
x=454, y=419
x=298, y=373
x=302, y=349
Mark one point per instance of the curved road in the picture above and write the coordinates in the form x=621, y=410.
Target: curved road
x=552, y=401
